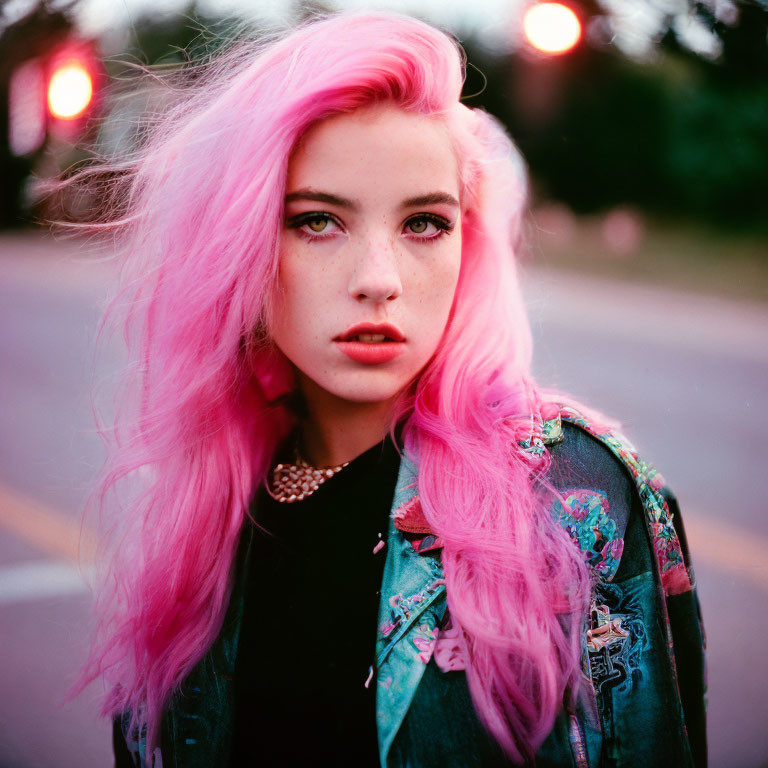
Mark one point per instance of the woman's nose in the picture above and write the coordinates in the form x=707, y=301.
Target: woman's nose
x=375, y=275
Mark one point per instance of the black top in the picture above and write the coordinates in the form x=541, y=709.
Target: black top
x=300, y=694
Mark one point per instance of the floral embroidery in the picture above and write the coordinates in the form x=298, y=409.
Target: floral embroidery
x=675, y=575
x=401, y=611
x=387, y=627
x=585, y=517
x=666, y=547
x=544, y=432
x=403, y=607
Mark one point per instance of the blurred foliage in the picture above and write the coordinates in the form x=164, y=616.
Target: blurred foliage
x=173, y=39
x=677, y=134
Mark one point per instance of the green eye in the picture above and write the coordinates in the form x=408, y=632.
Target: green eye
x=418, y=226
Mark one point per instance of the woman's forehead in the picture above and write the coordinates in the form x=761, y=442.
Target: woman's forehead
x=381, y=145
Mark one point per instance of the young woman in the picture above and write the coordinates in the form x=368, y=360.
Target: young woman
x=356, y=530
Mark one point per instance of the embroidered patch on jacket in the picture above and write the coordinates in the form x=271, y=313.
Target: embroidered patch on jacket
x=676, y=575
x=666, y=547
x=615, y=638
x=586, y=518
x=544, y=432
x=402, y=607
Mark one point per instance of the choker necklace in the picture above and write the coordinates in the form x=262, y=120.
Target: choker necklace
x=294, y=482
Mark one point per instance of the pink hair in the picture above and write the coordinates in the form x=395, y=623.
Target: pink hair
x=201, y=414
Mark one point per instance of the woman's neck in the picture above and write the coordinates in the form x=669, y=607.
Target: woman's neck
x=336, y=430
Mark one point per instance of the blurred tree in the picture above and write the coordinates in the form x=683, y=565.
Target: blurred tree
x=677, y=132
x=717, y=128
x=182, y=36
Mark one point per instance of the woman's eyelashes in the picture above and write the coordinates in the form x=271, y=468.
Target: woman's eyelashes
x=315, y=225
x=320, y=225
x=428, y=226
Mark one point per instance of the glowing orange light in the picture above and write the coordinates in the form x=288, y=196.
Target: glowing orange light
x=551, y=27
x=70, y=90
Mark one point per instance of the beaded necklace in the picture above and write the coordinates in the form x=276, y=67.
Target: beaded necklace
x=294, y=482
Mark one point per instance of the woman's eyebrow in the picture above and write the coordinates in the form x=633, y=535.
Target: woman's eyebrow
x=321, y=197
x=431, y=199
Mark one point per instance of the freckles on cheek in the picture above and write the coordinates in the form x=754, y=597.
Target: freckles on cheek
x=439, y=283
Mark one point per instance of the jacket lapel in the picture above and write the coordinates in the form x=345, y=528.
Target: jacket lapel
x=411, y=611
x=411, y=608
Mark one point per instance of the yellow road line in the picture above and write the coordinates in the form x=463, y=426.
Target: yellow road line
x=45, y=528
x=742, y=553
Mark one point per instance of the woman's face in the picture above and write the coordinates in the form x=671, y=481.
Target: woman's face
x=369, y=253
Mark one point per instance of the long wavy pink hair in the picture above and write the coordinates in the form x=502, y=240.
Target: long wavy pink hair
x=201, y=413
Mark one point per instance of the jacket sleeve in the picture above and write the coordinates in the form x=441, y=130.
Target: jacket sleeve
x=689, y=644
x=644, y=644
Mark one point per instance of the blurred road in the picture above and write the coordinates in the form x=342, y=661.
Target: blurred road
x=685, y=374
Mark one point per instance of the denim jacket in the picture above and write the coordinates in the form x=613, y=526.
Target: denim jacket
x=642, y=643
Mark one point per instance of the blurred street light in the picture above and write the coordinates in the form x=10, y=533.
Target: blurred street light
x=70, y=90
x=50, y=89
x=52, y=95
x=552, y=28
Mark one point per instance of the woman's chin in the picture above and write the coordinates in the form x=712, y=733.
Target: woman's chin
x=365, y=388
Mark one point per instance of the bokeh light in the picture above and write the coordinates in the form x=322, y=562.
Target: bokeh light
x=70, y=90
x=551, y=28
x=623, y=231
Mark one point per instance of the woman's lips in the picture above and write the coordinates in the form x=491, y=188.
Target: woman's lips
x=372, y=353
x=371, y=343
